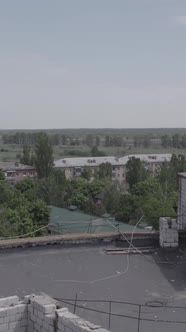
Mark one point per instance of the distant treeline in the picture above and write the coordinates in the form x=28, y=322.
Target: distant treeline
x=177, y=141
x=90, y=140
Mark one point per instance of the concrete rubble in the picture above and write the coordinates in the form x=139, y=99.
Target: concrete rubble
x=40, y=314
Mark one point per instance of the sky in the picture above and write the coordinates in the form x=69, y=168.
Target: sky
x=92, y=64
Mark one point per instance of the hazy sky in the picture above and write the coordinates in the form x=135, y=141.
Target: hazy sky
x=92, y=63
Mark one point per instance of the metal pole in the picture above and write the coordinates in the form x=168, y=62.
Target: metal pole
x=139, y=318
x=75, y=303
x=110, y=310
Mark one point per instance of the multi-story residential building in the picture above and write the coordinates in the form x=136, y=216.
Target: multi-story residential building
x=181, y=210
x=15, y=171
x=73, y=167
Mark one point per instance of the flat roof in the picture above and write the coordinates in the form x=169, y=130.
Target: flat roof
x=71, y=273
x=12, y=166
x=96, y=161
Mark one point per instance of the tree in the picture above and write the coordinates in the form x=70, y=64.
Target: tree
x=94, y=151
x=43, y=156
x=25, y=185
x=105, y=171
x=108, y=141
x=112, y=194
x=126, y=208
x=97, y=141
x=2, y=175
x=146, y=141
x=40, y=213
x=52, y=189
x=135, y=171
x=176, y=140
x=26, y=156
x=86, y=173
x=89, y=140
x=166, y=141
x=183, y=141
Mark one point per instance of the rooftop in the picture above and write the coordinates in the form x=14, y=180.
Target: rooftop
x=97, y=161
x=12, y=165
x=69, y=222
x=74, y=272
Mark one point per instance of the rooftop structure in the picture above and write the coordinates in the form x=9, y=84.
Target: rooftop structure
x=74, y=166
x=97, y=161
x=97, y=286
x=86, y=161
x=8, y=166
x=37, y=313
x=64, y=221
x=16, y=171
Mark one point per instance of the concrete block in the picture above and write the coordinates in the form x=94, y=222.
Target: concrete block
x=43, y=330
x=32, y=317
x=50, y=319
x=27, y=299
x=4, y=327
x=11, y=311
x=21, y=308
x=20, y=329
x=45, y=325
x=21, y=316
x=40, y=315
x=36, y=327
x=35, y=312
x=12, y=318
x=61, y=327
x=51, y=328
x=6, y=319
x=30, y=308
x=12, y=325
x=39, y=321
x=9, y=301
x=23, y=322
x=49, y=308
x=30, y=324
x=3, y=312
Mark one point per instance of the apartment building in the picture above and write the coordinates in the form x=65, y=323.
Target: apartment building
x=181, y=211
x=73, y=167
x=15, y=171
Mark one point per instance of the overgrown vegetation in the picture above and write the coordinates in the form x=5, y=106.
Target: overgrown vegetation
x=23, y=208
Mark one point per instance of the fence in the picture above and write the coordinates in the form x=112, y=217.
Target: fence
x=119, y=316
x=90, y=227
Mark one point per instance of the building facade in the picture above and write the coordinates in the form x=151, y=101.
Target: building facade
x=181, y=211
x=15, y=171
x=73, y=167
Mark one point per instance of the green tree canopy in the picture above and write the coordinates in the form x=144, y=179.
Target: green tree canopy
x=105, y=171
x=135, y=171
x=43, y=156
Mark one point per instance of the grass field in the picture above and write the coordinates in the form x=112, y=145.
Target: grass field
x=12, y=152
